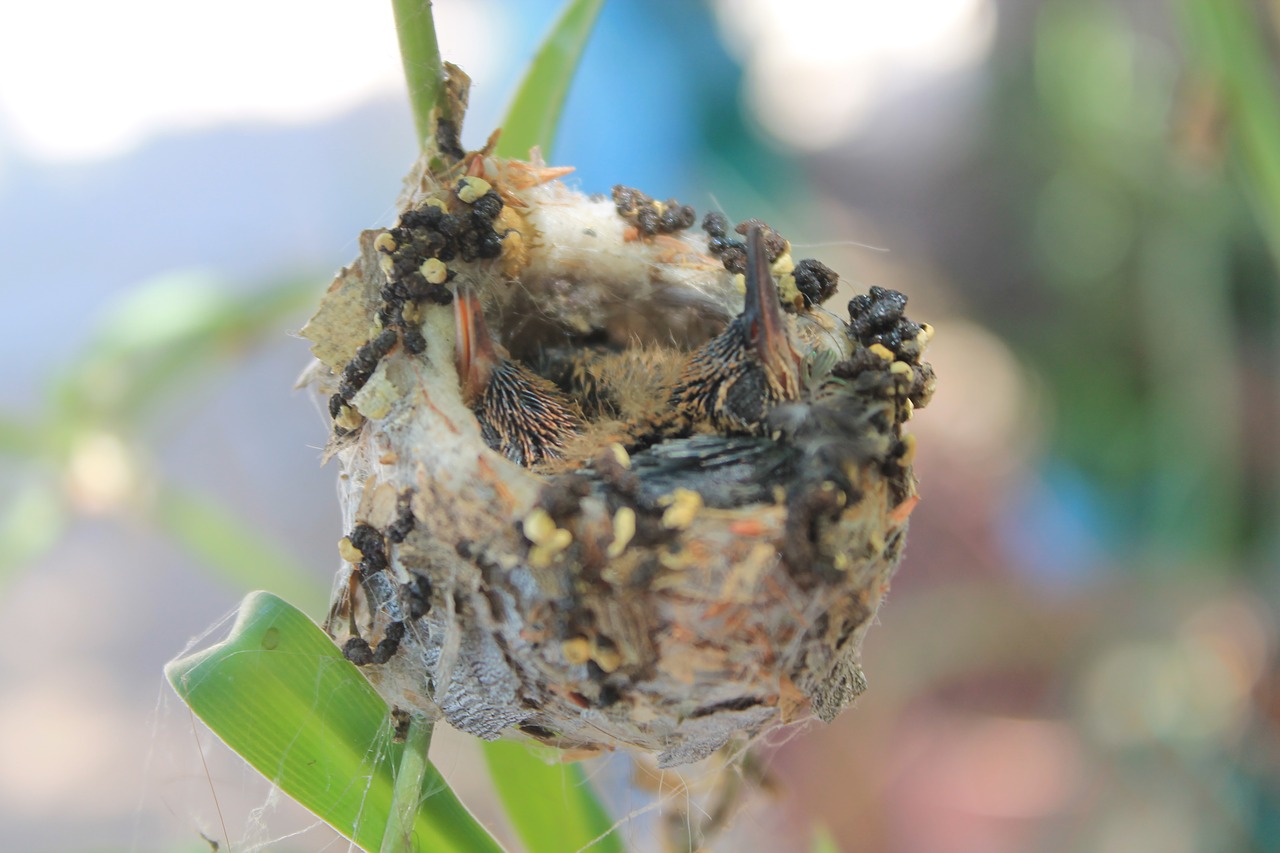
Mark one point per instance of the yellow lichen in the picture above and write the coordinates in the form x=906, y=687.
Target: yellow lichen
x=909, y=449
x=576, y=651
x=624, y=529
x=620, y=453
x=548, y=540
x=539, y=526
x=882, y=351
x=789, y=291
x=676, y=561
x=472, y=189
x=515, y=255
x=559, y=540
x=875, y=543
x=348, y=418
x=607, y=659
x=348, y=551
x=434, y=271
x=682, y=507
x=378, y=395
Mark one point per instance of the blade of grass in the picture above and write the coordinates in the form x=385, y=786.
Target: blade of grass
x=420, y=55
x=279, y=693
x=534, y=113
x=551, y=806
x=226, y=544
x=1228, y=41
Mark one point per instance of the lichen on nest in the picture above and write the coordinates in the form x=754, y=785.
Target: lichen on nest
x=611, y=480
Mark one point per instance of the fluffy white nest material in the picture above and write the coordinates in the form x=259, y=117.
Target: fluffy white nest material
x=657, y=583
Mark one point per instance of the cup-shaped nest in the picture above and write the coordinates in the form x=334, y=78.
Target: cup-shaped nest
x=610, y=478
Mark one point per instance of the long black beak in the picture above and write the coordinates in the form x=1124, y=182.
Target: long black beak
x=474, y=350
x=762, y=315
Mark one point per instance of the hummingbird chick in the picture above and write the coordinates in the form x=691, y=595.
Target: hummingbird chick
x=736, y=378
x=522, y=416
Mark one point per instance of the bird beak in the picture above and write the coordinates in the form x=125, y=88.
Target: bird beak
x=475, y=351
x=765, y=321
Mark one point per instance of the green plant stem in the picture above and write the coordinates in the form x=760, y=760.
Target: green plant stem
x=420, y=55
x=398, y=837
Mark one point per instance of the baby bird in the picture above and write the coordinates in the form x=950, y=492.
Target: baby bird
x=522, y=416
x=736, y=378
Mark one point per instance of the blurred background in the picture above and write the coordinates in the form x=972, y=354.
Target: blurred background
x=1082, y=196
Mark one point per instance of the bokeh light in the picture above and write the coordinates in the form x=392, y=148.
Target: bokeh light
x=1080, y=650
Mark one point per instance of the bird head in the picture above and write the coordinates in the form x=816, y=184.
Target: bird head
x=521, y=415
x=736, y=378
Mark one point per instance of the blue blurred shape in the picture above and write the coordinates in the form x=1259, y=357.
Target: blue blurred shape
x=1056, y=527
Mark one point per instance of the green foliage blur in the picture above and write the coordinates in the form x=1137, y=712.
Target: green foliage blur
x=1122, y=253
x=1156, y=306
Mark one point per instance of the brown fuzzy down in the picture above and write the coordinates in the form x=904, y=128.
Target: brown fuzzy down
x=687, y=571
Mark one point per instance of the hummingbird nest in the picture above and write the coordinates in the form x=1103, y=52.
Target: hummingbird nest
x=609, y=479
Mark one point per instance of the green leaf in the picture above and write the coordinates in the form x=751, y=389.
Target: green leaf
x=420, y=55
x=551, y=806
x=1228, y=41
x=534, y=113
x=161, y=333
x=823, y=842
x=23, y=439
x=30, y=524
x=280, y=694
x=231, y=548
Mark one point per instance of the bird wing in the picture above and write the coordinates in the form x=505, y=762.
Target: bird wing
x=727, y=471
